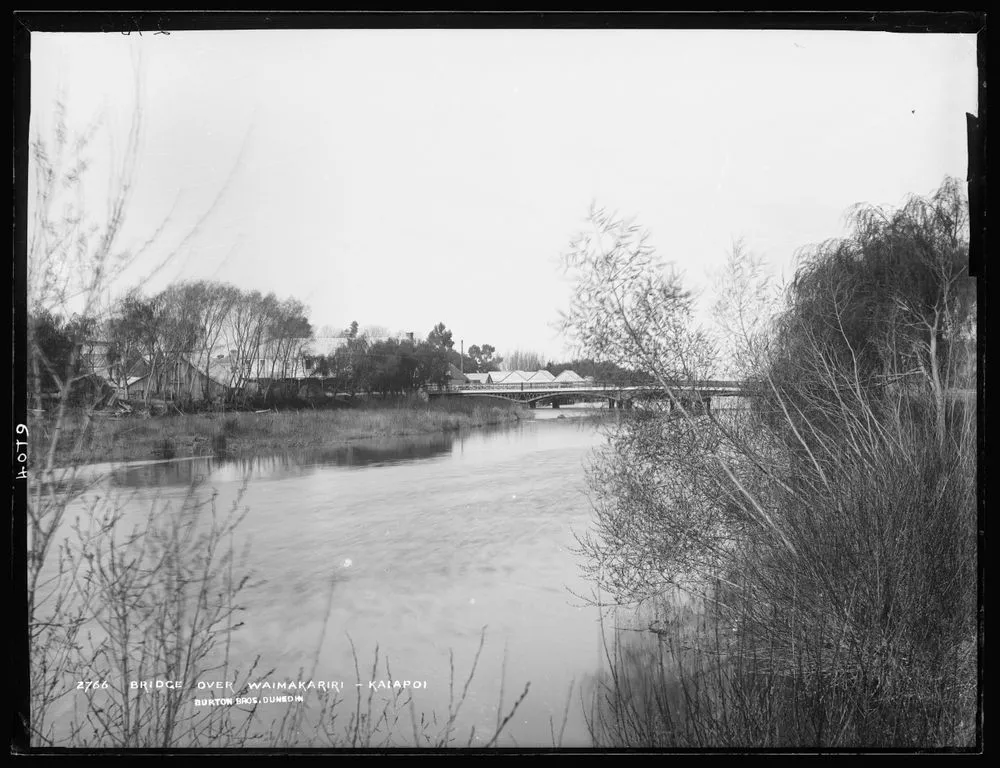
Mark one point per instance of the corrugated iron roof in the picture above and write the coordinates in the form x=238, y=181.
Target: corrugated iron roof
x=543, y=375
x=324, y=345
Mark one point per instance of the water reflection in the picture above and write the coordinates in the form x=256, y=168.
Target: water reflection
x=413, y=545
x=276, y=466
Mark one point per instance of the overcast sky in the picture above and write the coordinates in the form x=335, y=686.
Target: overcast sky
x=402, y=178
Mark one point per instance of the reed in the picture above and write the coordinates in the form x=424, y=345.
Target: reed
x=845, y=614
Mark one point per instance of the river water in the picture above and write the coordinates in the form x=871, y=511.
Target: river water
x=414, y=545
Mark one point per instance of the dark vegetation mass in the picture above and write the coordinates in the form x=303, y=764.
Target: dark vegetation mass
x=803, y=568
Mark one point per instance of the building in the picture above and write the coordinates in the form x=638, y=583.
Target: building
x=455, y=376
x=183, y=380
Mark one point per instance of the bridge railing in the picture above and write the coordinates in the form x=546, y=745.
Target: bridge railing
x=528, y=386
x=524, y=386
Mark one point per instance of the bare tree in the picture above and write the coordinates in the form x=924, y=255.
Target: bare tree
x=521, y=360
x=75, y=252
x=746, y=300
x=211, y=303
x=628, y=308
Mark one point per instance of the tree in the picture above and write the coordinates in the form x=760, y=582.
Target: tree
x=287, y=333
x=746, y=300
x=826, y=534
x=136, y=334
x=128, y=345
x=209, y=304
x=440, y=336
x=179, y=328
x=627, y=308
x=891, y=303
x=483, y=358
x=432, y=363
x=523, y=360
x=74, y=254
x=56, y=357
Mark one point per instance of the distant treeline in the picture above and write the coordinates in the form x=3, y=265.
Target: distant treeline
x=211, y=341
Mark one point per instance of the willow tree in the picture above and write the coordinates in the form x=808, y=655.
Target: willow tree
x=891, y=304
x=629, y=309
x=831, y=528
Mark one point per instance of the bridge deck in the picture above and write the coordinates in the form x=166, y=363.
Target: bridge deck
x=704, y=388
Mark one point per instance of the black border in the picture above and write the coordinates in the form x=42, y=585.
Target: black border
x=151, y=22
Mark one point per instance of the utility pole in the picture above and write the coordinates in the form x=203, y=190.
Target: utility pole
x=462, y=363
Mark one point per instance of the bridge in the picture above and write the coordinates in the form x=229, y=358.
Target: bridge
x=699, y=393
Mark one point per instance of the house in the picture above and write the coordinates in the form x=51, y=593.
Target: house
x=94, y=357
x=478, y=378
x=455, y=376
x=183, y=380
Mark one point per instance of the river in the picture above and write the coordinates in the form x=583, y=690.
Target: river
x=414, y=545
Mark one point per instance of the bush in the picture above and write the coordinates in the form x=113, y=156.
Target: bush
x=828, y=533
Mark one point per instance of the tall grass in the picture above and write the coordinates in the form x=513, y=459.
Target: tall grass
x=836, y=569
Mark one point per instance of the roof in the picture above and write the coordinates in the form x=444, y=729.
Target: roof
x=542, y=375
x=323, y=345
x=220, y=370
x=454, y=374
x=478, y=378
x=568, y=375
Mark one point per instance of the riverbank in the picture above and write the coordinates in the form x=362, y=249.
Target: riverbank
x=241, y=434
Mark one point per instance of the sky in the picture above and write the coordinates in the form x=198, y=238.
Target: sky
x=403, y=178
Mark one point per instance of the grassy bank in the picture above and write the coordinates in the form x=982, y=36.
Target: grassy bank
x=247, y=433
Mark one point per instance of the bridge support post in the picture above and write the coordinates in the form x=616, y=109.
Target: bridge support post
x=555, y=404
x=531, y=404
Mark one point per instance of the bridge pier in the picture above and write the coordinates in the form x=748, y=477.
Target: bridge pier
x=532, y=404
x=694, y=407
x=555, y=404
